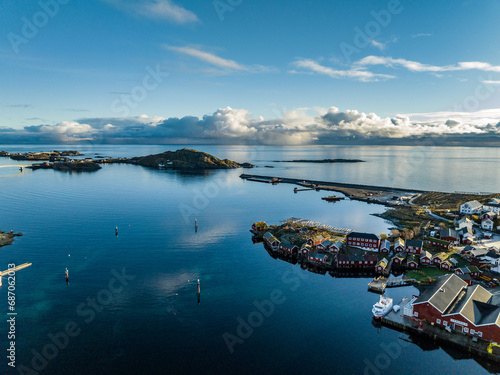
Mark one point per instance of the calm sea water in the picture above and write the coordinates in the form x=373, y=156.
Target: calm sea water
x=153, y=323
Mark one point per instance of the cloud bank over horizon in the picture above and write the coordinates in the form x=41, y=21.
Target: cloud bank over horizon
x=302, y=126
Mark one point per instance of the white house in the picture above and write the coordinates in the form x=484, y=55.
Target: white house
x=470, y=208
x=493, y=205
x=463, y=223
x=487, y=224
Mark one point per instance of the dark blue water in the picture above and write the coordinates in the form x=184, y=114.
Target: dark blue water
x=153, y=323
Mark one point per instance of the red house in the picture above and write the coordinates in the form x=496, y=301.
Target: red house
x=440, y=243
x=305, y=249
x=325, y=245
x=399, y=259
x=438, y=258
x=363, y=240
x=271, y=240
x=469, y=310
x=449, y=235
x=381, y=266
x=336, y=247
x=289, y=248
x=354, y=261
x=317, y=257
x=414, y=246
x=426, y=258
x=473, y=271
x=260, y=225
x=412, y=262
x=399, y=245
x=385, y=247
x=446, y=265
x=488, y=215
x=315, y=240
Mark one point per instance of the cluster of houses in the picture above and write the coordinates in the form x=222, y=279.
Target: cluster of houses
x=487, y=212
x=454, y=304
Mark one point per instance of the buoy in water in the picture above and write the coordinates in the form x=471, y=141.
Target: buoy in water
x=67, y=275
x=116, y=230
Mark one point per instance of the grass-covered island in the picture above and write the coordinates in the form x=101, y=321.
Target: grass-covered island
x=181, y=159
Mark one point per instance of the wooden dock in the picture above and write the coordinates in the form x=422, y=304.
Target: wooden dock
x=473, y=345
x=15, y=269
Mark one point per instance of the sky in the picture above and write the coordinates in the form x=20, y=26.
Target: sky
x=249, y=72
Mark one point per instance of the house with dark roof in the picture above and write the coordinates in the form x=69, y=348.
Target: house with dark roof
x=336, y=247
x=414, y=246
x=470, y=310
x=449, y=235
x=493, y=206
x=368, y=241
x=325, y=245
x=271, y=240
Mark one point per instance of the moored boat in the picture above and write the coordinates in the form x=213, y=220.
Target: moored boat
x=332, y=198
x=382, y=307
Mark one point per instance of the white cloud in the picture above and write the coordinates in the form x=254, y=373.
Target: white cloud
x=223, y=65
x=419, y=35
x=207, y=57
x=156, y=9
x=490, y=82
x=416, y=66
x=238, y=126
x=359, y=73
x=381, y=46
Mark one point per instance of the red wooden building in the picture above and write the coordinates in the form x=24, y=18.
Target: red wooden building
x=414, y=246
x=260, y=225
x=426, y=258
x=470, y=310
x=363, y=240
x=439, y=243
x=399, y=245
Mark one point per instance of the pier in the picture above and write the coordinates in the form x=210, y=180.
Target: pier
x=15, y=269
x=402, y=323
x=325, y=185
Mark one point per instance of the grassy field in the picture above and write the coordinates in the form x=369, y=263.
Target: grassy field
x=426, y=274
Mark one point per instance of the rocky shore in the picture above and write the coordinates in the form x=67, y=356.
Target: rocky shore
x=37, y=156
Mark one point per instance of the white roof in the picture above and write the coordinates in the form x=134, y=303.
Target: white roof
x=474, y=204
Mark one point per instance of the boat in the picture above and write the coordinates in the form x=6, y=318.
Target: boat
x=382, y=307
x=332, y=198
x=161, y=166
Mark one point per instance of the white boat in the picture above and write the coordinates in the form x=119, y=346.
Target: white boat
x=382, y=307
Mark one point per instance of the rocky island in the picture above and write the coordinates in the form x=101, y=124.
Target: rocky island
x=7, y=238
x=69, y=166
x=37, y=156
x=182, y=159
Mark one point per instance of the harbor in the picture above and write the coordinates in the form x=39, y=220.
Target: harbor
x=472, y=345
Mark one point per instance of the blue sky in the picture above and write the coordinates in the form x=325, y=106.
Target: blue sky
x=280, y=67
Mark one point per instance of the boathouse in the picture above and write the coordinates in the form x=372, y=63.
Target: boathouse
x=317, y=257
x=399, y=259
x=260, y=225
x=325, y=245
x=356, y=261
x=381, y=266
x=368, y=241
x=470, y=310
x=271, y=240
x=336, y=247
x=305, y=249
x=289, y=248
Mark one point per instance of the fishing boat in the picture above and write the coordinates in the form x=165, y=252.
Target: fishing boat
x=332, y=198
x=382, y=307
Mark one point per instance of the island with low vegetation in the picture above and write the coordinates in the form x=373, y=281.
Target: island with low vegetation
x=39, y=156
x=182, y=159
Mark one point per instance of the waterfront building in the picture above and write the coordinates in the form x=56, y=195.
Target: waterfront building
x=470, y=310
x=399, y=245
x=367, y=241
x=385, y=246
